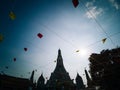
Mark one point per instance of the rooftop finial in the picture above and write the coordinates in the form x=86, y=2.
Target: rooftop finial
x=32, y=76
x=59, y=52
x=89, y=81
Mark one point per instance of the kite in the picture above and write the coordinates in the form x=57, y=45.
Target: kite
x=6, y=67
x=55, y=61
x=12, y=16
x=39, y=35
x=75, y=3
x=1, y=37
x=25, y=49
x=77, y=51
x=2, y=72
x=28, y=72
x=47, y=78
x=104, y=39
x=83, y=74
x=14, y=59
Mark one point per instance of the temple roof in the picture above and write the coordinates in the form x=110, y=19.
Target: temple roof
x=78, y=76
x=60, y=66
x=88, y=78
x=59, y=75
x=79, y=82
x=41, y=78
x=32, y=76
x=79, y=79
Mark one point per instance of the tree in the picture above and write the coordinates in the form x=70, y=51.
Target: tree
x=105, y=69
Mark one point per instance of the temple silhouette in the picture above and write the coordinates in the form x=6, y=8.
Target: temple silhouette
x=59, y=80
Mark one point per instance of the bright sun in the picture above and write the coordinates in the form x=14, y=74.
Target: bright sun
x=83, y=52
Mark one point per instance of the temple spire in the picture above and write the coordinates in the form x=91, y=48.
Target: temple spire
x=79, y=82
x=60, y=66
x=88, y=79
x=60, y=78
x=32, y=77
x=41, y=83
x=59, y=52
x=59, y=58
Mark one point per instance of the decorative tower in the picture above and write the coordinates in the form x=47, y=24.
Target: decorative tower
x=79, y=82
x=32, y=83
x=60, y=79
x=89, y=81
x=41, y=83
x=32, y=77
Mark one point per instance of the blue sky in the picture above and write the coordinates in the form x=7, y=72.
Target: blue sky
x=63, y=26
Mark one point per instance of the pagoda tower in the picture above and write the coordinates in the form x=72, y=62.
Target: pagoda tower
x=89, y=81
x=41, y=83
x=79, y=82
x=60, y=79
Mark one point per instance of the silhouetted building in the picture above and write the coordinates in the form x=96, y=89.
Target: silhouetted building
x=60, y=79
x=79, y=82
x=14, y=83
x=41, y=83
x=32, y=77
x=89, y=81
x=32, y=83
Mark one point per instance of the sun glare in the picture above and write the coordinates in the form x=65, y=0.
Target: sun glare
x=83, y=52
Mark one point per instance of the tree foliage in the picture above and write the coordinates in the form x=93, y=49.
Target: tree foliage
x=105, y=69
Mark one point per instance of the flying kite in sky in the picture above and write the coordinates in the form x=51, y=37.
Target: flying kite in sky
x=12, y=15
x=77, y=51
x=2, y=72
x=75, y=3
x=46, y=78
x=14, y=59
x=39, y=35
x=25, y=49
x=29, y=72
x=35, y=70
x=1, y=37
x=6, y=67
x=104, y=40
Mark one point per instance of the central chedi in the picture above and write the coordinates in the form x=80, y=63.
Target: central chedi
x=60, y=78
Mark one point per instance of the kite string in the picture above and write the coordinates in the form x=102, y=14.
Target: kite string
x=97, y=41
x=64, y=39
x=48, y=29
x=97, y=22
x=51, y=63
